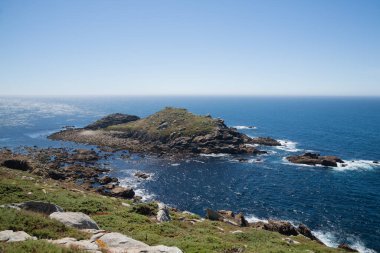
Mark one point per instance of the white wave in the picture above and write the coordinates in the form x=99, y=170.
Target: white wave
x=331, y=240
x=289, y=146
x=175, y=164
x=17, y=112
x=215, y=155
x=327, y=238
x=358, y=245
x=40, y=134
x=145, y=196
x=252, y=218
x=357, y=165
x=244, y=127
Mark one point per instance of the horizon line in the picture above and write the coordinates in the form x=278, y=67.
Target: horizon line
x=188, y=95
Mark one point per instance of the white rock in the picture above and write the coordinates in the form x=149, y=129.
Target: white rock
x=120, y=241
x=19, y=236
x=163, y=213
x=290, y=241
x=75, y=219
x=155, y=249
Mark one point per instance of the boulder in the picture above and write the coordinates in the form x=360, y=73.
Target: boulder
x=17, y=164
x=282, y=227
x=122, y=192
x=10, y=236
x=75, y=219
x=227, y=217
x=40, y=207
x=56, y=175
x=84, y=155
x=155, y=249
x=163, y=213
x=213, y=215
x=119, y=240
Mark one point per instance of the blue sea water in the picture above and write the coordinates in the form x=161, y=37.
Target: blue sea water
x=339, y=205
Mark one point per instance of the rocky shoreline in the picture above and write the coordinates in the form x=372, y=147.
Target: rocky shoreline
x=66, y=165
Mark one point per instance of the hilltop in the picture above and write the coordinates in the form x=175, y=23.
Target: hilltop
x=169, y=131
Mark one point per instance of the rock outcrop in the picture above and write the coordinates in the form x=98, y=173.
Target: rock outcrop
x=163, y=213
x=315, y=159
x=265, y=141
x=36, y=206
x=227, y=217
x=112, y=119
x=75, y=219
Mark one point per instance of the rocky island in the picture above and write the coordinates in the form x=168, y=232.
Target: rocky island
x=316, y=159
x=170, y=131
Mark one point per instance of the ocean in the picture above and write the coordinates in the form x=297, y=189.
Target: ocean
x=339, y=204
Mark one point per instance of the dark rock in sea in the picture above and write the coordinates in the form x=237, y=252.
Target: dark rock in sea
x=84, y=155
x=282, y=227
x=227, y=217
x=314, y=159
x=17, y=164
x=347, y=248
x=106, y=180
x=142, y=175
x=375, y=162
x=112, y=119
x=265, y=141
x=40, y=207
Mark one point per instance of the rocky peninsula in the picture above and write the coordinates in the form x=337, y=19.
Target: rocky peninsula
x=171, y=131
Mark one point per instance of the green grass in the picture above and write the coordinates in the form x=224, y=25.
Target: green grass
x=34, y=247
x=36, y=225
x=110, y=214
x=179, y=121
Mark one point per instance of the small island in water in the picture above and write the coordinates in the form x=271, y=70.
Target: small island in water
x=171, y=131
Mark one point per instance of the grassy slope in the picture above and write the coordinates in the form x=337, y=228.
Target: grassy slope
x=179, y=120
x=109, y=213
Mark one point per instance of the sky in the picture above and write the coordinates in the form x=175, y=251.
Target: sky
x=190, y=47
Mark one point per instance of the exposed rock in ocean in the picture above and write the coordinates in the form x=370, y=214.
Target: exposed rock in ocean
x=315, y=159
x=266, y=141
x=170, y=131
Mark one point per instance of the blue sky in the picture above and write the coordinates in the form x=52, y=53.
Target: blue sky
x=200, y=47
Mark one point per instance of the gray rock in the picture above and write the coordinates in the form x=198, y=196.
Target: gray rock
x=19, y=236
x=155, y=249
x=121, y=241
x=69, y=242
x=163, y=213
x=75, y=219
x=40, y=207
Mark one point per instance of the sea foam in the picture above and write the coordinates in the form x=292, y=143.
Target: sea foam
x=244, y=127
x=289, y=146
